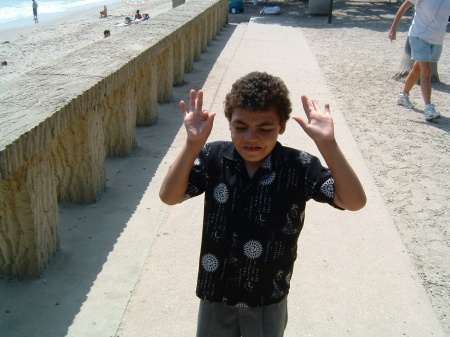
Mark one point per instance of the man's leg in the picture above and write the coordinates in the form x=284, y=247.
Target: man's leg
x=410, y=81
x=425, y=81
x=425, y=86
x=412, y=77
x=424, y=53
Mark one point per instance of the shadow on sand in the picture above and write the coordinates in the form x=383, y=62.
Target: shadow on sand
x=372, y=15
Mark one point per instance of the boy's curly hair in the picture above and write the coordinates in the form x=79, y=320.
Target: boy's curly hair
x=259, y=91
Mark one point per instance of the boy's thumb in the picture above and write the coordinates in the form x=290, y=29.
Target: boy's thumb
x=300, y=121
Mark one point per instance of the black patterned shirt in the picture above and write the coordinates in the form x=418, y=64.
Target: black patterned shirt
x=251, y=225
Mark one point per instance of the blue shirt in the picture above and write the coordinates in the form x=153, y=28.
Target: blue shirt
x=251, y=225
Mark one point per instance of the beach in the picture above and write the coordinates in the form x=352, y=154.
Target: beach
x=16, y=14
x=32, y=46
x=408, y=157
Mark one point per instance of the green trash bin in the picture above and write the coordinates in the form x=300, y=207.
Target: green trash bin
x=320, y=7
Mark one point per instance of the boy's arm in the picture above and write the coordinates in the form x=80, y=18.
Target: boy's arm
x=401, y=11
x=348, y=191
x=198, y=124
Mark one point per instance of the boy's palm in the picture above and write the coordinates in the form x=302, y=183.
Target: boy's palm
x=198, y=122
x=319, y=125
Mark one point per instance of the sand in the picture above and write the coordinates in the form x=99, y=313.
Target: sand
x=409, y=158
x=31, y=47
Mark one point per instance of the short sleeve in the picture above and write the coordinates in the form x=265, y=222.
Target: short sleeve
x=319, y=183
x=197, y=177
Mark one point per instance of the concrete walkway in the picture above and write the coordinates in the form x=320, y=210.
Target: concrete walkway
x=128, y=266
x=353, y=276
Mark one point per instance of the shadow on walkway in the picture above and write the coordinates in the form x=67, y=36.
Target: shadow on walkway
x=89, y=232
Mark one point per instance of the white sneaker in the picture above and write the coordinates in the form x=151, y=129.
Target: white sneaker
x=430, y=112
x=403, y=99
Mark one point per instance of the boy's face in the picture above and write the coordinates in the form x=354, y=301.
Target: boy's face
x=254, y=135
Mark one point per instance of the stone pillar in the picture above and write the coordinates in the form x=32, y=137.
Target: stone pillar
x=204, y=34
x=165, y=75
x=28, y=218
x=197, y=41
x=147, y=102
x=78, y=159
x=178, y=62
x=210, y=28
x=188, y=51
x=119, y=121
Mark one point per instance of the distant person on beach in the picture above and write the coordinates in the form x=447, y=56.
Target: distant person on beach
x=146, y=16
x=138, y=15
x=35, y=7
x=107, y=33
x=4, y=63
x=426, y=36
x=255, y=196
x=104, y=12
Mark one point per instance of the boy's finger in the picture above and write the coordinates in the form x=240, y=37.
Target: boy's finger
x=307, y=106
x=192, y=100
x=300, y=121
x=199, y=101
x=183, y=108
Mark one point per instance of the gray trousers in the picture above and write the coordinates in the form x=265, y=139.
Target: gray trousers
x=218, y=320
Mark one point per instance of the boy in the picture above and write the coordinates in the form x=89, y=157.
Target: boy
x=255, y=196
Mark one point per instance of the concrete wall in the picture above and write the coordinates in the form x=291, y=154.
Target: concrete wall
x=82, y=109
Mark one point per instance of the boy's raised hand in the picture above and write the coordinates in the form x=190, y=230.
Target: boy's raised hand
x=348, y=191
x=198, y=122
x=319, y=125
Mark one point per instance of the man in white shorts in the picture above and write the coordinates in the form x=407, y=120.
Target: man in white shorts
x=426, y=36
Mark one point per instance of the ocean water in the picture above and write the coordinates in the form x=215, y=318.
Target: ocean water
x=13, y=12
